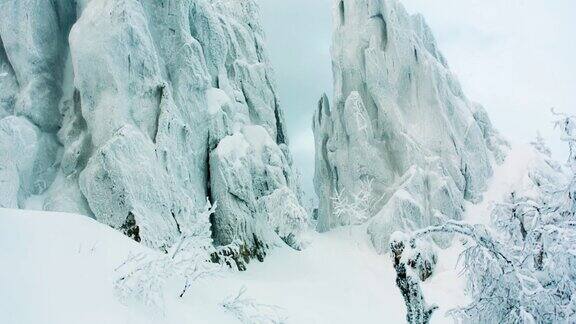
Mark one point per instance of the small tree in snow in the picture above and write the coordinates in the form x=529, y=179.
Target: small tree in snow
x=567, y=125
x=522, y=268
x=249, y=311
x=142, y=277
x=540, y=145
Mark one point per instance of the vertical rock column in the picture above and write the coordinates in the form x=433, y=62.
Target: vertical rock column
x=400, y=122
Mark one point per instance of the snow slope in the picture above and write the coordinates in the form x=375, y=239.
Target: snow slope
x=89, y=87
x=59, y=268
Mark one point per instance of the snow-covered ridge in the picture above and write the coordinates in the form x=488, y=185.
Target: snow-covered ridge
x=116, y=109
x=399, y=123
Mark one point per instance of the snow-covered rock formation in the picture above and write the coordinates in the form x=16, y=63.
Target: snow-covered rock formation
x=134, y=112
x=399, y=122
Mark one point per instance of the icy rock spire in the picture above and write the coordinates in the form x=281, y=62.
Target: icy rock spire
x=134, y=112
x=400, y=121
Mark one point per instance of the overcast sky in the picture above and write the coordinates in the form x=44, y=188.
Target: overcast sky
x=515, y=57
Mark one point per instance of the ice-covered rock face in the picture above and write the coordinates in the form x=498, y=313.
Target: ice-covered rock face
x=135, y=111
x=252, y=182
x=399, y=121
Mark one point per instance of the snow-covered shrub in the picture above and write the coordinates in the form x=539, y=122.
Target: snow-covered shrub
x=142, y=278
x=354, y=208
x=249, y=311
x=540, y=145
x=521, y=268
x=515, y=216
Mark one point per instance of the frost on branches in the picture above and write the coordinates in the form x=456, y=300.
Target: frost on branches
x=355, y=208
x=142, y=277
x=522, y=267
x=567, y=126
x=540, y=145
x=249, y=311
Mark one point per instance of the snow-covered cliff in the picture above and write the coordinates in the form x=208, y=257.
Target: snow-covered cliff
x=134, y=112
x=399, y=124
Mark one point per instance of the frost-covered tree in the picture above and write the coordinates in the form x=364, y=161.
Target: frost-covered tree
x=521, y=268
x=497, y=286
x=515, y=216
x=532, y=282
x=249, y=311
x=567, y=125
x=142, y=277
x=540, y=145
x=354, y=208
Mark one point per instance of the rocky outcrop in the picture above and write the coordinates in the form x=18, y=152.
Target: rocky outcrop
x=26, y=161
x=135, y=111
x=400, y=122
x=247, y=169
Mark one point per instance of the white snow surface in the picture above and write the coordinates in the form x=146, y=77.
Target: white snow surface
x=59, y=268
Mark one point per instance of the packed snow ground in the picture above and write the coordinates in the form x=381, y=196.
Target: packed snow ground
x=59, y=268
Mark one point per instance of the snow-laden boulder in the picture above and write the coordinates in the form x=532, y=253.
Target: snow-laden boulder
x=249, y=176
x=122, y=179
x=400, y=122
x=140, y=99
